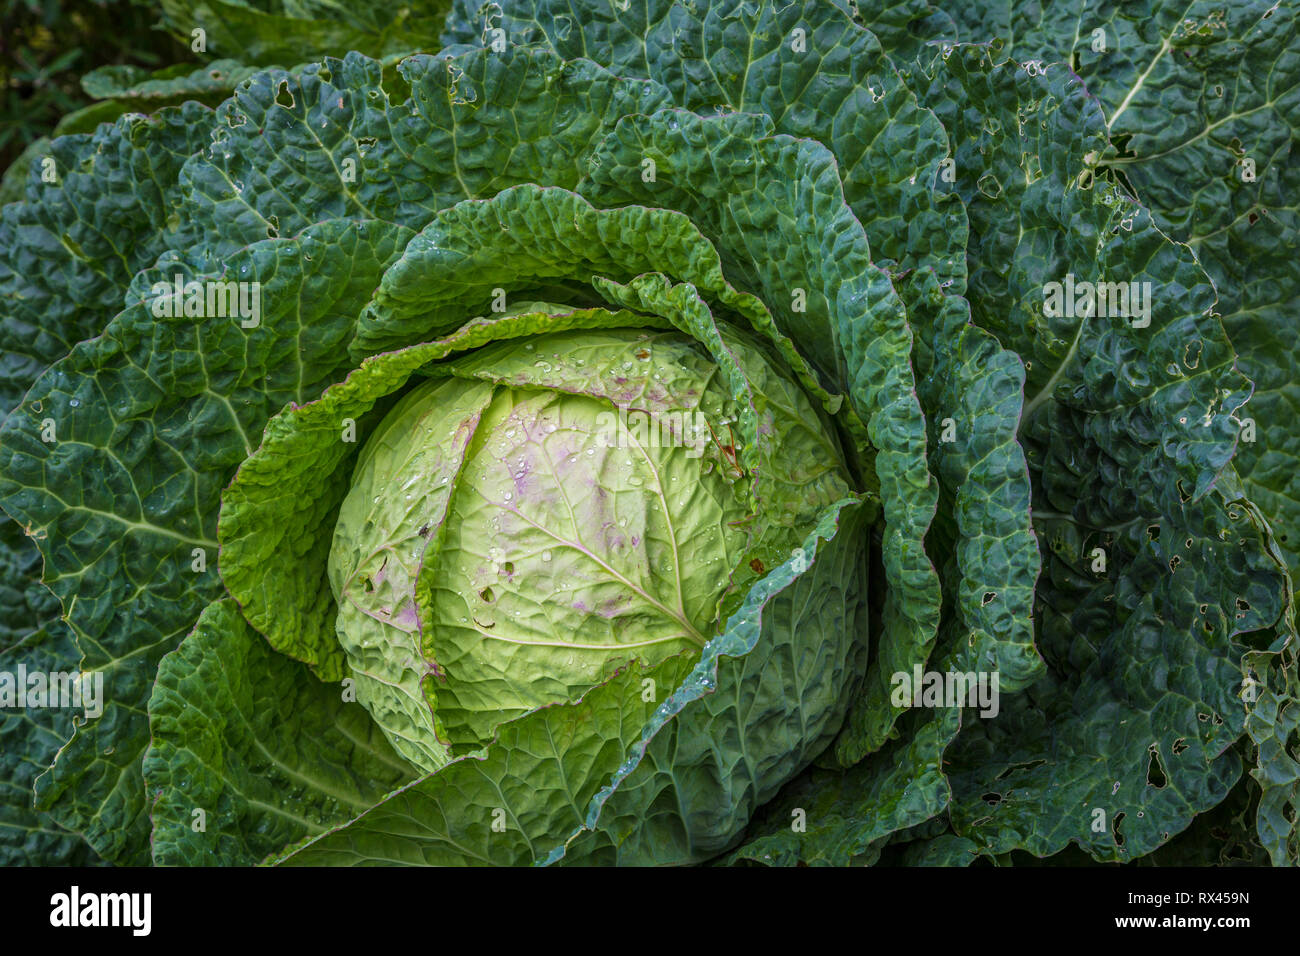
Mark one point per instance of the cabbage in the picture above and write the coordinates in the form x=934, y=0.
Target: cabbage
x=556, y=433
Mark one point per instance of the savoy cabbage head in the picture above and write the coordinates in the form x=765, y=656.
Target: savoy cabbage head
x=594, y=432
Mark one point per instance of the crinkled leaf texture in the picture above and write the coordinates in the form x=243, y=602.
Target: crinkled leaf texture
x=29, y=739
x=1060, y=494
x=1210, y=146
x=250, y=744
x=266, y=771
x=1199, y=101
x=164, y=411
x=658, y=765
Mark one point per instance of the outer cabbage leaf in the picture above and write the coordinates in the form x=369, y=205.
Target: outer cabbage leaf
x=25, y=603
x=162, y=411
x=68, y=252
x=832, y=818
x=804, y=64
x=139, y=90
x=29, y=740
x=31, y=635
x=1131, y=733
x=1209, y=145
x=250, y=752
x=1124, y=425
x=1273, y=726
x=339, y=139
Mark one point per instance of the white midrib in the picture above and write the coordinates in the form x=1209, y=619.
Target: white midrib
x=1165, y=47
x=1046, y=391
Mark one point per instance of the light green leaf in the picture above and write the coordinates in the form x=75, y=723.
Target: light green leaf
x=143, y=90
x=278, y=514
